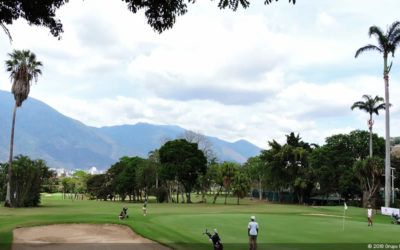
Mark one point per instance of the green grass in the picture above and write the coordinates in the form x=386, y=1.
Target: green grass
x=179, y=225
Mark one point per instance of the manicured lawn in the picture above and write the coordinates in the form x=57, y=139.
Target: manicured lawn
x=182, y=225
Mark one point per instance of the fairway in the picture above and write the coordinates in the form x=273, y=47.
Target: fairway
x=181, y=225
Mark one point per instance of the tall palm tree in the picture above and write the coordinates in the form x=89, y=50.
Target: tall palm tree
x=387, y=44
x=23, y=68
x=371, y=105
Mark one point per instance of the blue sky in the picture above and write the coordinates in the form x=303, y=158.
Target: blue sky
x=256, y=74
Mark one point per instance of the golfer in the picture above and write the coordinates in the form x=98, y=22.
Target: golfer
x=252, y=231
x=144, y=208
x=369, y=215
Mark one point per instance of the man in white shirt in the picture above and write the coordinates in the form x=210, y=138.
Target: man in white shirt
x=252, y=231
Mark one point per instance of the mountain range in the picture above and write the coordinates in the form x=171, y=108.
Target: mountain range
x=42, y=132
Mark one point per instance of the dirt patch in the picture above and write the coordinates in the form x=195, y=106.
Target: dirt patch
x=81, y=236
x=329, y=215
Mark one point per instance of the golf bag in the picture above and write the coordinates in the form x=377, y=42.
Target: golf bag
x=215, y=240
x=123, y=214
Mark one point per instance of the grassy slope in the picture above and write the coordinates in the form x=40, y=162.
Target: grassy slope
x=185, y=223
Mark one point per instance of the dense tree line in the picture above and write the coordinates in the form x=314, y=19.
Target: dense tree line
x=28, y=176
x=341, y=167
x=171, y=173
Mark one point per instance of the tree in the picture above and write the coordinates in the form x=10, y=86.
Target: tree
x=387, y=44
x=257, y=169
x=288, y=166
x=96, y=186
x=369, y=171
x=202, y=141
x=40, y=13
x=371, y=106
x=23, y=68
x=160, y=14
x=27, y=178
x=185, y=160
x=218, y=179
x=146, y=176
x=227, y=172
x=240, y=185
x=80, y=178
x=333, y=163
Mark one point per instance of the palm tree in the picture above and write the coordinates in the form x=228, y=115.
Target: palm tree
x=387, y=43
x=371, y=105
x=23, y=68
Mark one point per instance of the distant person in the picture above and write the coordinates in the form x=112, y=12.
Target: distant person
x=144, y=208
x=252, y=231
x=369, y=215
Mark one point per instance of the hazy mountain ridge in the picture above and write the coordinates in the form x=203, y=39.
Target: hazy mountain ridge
x=43, y=132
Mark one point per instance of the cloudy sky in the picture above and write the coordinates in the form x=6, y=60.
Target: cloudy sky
x=255, y=74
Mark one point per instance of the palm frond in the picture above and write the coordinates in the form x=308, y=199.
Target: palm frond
x=375, y=30
x=359, y=105
x=367, y=97
x=366, y=48
x=395, y=42
x=269, y=1
x=393, y=29
x=378, y=99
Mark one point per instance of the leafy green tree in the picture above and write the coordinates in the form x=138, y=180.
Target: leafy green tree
x=227, y=172
x=257, y=169
x=184, y=160
x=387, y=44
x=146, y=176
x=217, y=178
x=371, y=106
x=80, y=178
x=206, y=180
x=369, y=171
x=97, y=186
x=160, y=14
x=154, y=160
x=3, y=181
x=23, y=68
x=395, y=163
x=114, y=180
x=123, y=177
x=240, y=185
x=40, y=13
x=288, y=167
x=27, y=177
x=333, y=162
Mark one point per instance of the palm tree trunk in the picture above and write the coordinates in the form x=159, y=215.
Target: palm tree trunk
x=8, y=195
x=387, y=152
x=370, y=136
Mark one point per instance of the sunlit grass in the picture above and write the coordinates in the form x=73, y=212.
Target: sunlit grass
x=185, y=223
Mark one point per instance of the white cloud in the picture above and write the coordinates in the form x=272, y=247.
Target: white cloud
x=256, y=74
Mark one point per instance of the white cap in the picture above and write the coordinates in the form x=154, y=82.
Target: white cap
x=215, y=230
x=253, y=217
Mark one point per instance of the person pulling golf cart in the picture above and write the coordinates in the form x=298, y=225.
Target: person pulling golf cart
x=215, y=239
x=123, y=214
